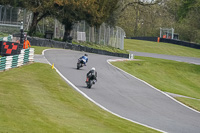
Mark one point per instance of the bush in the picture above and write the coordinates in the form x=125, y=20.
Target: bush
x=57, y=39
x=38, y=34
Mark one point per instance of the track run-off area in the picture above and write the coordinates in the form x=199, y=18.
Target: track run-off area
x=124, y=95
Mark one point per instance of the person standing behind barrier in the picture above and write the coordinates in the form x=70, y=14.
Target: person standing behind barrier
x=26, y=44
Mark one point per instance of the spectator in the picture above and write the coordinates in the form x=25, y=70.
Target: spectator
x=26, y=44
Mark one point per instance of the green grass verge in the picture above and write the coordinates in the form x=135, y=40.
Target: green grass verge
x=102, y=47
x=35, y=99
x=160, y=48
x=169, y=76
x=194, y=103
x=38, y=49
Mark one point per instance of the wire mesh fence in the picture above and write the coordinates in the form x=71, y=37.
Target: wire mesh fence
x=11, y=17
x=59, y=29
x=104, y=35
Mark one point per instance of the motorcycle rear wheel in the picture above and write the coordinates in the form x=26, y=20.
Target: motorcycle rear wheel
x=78, y=65
x=89, y=84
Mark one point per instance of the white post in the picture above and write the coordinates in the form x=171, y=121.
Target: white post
x=160, y=32
x=172, y=33
x=84, y=26
x=55, y=25
x=43, y=25
x=89, y=33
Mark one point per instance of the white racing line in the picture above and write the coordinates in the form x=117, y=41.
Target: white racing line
x=76, y=88
x=111, y=60
x=108, y=61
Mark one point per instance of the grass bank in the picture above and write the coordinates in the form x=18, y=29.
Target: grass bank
x=35, y=99
x=160, y=48
x=101, y=47
x=169, y=76
x=38, y=49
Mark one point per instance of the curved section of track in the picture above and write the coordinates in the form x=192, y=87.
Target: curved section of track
x=191, y=60
x=125, y=95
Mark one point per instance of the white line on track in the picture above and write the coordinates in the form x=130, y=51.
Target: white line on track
x=95, y=101
x=110, y=60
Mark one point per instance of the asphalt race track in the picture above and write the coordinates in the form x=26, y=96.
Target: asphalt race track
x=191, y=60
x=125, y=95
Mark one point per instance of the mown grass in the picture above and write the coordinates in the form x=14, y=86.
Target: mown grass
x=35, y=99
x=160, y=48
x=142, y=46
x=194, y=103
x=101, y=47
x=38, y=49
x=169, y=76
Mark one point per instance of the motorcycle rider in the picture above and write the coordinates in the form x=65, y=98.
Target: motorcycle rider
x=84, y=58
x=92, y=75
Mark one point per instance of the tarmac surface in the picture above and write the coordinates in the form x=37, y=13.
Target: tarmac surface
x=123, y=94
x=191, y=60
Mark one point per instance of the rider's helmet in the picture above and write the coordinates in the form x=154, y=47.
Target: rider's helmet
x=86, y=55
x=93, y=69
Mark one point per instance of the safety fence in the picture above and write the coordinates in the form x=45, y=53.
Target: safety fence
x=103, y=35
x=8, y=62
x=10, y=18
x=35, y=41
x=173, y=41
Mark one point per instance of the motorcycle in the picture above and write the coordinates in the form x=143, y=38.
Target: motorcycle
x=89, y=82
x=80, y=63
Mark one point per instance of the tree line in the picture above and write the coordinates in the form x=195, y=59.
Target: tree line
x=68, y=12
x=136, y=17
x=182, y=15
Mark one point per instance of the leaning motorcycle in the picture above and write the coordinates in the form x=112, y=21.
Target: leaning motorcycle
x=89, y=82
x=80, y=63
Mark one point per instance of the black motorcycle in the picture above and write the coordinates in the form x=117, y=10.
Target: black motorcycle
x=80, y=63
x=89, y=82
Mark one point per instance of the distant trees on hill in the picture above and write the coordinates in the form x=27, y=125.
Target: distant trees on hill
x=182, y=15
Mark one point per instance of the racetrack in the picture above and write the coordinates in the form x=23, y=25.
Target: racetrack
x=125, y=95
x=191, y=60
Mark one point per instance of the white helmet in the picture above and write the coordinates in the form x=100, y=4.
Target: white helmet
x=93, y=69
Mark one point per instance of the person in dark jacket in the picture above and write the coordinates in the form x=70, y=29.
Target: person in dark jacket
x=92, y=75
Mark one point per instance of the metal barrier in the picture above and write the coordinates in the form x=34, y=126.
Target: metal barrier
x=57, y=44
x=173, y=41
